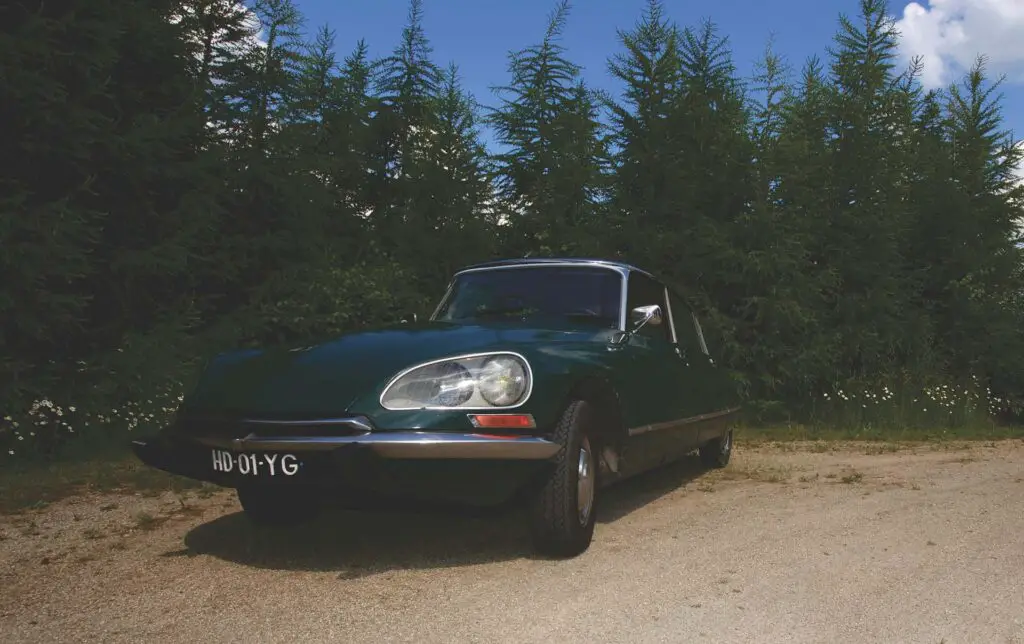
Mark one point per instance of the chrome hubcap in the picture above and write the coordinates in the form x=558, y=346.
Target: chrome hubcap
x=585, y=483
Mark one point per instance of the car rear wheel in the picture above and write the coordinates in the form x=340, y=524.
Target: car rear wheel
x=716, y=452
x=563, y=514
x=278, y=507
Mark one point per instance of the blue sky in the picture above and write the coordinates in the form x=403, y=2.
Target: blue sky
x=478, y=34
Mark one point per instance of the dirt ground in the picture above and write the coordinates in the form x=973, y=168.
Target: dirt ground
x=791, y=543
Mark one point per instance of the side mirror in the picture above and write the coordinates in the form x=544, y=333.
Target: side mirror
x=641, y=316
x=409, y=317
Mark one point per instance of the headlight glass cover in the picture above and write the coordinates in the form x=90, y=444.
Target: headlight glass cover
x=481, y=381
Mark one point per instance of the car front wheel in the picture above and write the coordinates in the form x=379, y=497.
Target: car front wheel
x=563, y=514
x=276, y=507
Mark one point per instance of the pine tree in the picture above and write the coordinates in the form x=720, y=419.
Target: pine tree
x=866, y=222
x=103, y=200
x=772, y=339
x=258, y=75
x=979, y=275
x=218, y=35
x=407, y=82
x=646, y=147
x=315, y=93
x=356, y=167
x=714, y=185
x=551, y=177
x=454, y=186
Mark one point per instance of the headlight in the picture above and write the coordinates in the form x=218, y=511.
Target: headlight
x=487, y=381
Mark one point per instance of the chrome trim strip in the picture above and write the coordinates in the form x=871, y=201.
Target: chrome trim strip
x=444, y=298
x=404, y=445
x=360, y=423
x=624, y=301
x=700, y=334
x=404, y=372
x=620, y=269
x=671, y=319
x=654, y=427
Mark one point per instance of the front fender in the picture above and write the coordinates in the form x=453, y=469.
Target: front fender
x=565, y=373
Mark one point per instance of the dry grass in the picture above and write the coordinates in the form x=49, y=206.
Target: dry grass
x=852, y=477
x=763, y=471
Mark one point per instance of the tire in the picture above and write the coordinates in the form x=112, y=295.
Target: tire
x=560, y=525
x=716, y=452
x=284, y=508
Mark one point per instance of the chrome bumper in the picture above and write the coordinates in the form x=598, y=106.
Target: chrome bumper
x=403, y=445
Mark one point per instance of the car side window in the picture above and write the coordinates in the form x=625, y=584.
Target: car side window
x=688, y=333
x=644, y=291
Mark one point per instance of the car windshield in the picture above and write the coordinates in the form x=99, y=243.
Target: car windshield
x=584, y=294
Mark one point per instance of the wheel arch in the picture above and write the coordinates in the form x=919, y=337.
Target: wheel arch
x=611, y=427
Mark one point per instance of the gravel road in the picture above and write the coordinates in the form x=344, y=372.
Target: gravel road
x=793, y=543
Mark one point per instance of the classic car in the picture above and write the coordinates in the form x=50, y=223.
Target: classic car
x=539, y=380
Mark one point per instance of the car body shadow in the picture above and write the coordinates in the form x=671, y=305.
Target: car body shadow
x=356, y=544
x=634, y=493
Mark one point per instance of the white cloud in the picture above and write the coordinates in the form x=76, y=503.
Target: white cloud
x=950, y=34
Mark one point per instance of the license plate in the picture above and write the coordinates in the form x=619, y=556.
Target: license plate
x=249, y=464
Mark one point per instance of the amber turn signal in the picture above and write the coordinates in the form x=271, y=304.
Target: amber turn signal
x=502, y=421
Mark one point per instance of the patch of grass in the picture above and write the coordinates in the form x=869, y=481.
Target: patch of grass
x=30, y=530
x=146, y=521
x=884, y=448
x=92, y=533
x=762, y=472
x=32, y=486
x=819, y=436
x=852, y=477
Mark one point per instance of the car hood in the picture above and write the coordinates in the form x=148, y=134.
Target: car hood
x=328, y=378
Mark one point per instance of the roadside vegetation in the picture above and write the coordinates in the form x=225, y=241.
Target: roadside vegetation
x=190, y=176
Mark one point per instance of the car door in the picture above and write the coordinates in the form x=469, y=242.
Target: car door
x=658, y=381
x=710, y=383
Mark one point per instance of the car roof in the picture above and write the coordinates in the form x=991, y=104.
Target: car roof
x=619, y=266
x=541, y=261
